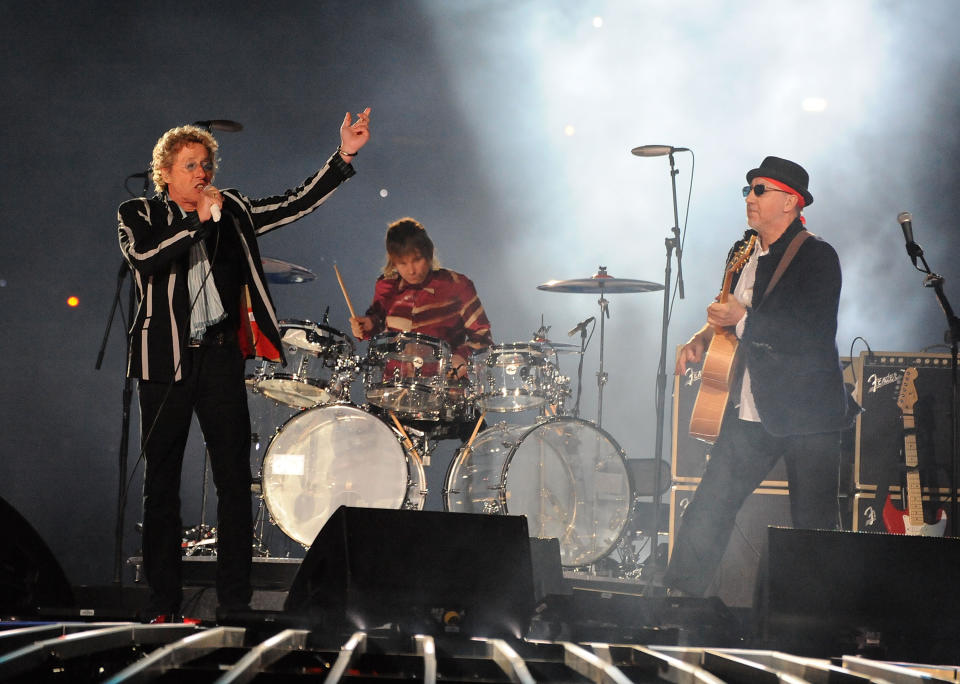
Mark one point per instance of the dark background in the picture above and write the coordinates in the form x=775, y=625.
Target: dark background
x=506, y=128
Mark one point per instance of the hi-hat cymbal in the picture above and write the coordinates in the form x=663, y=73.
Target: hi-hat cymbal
x=283, y=272
x=600, y=282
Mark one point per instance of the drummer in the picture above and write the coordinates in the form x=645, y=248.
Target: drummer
x=414, y=294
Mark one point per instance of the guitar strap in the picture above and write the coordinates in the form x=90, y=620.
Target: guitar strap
x=785, y=260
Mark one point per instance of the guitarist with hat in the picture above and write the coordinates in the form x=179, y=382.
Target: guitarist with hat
x=785, y=394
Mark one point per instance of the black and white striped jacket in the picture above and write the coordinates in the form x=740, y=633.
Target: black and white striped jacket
x=155, y=238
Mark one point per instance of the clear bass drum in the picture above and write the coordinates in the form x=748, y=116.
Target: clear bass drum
x=336, y=455
x=566, y=475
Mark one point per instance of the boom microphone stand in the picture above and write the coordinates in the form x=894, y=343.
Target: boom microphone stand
x=127, y=398
x=952, y=335
x=671, y=244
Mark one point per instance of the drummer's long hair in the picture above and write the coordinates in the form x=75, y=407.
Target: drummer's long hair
x=408, y=236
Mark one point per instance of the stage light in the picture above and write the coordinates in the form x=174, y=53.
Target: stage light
x=598, y=22
x=73, y=301
x=569, y=130
x=384, y=192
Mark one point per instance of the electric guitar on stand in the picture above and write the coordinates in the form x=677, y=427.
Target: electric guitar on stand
x=717, y=373
x=911, y=521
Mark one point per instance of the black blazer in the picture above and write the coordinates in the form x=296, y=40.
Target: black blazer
x=789, y=341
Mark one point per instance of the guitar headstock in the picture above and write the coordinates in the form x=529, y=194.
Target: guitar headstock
x=908, y=390
x=741, y=256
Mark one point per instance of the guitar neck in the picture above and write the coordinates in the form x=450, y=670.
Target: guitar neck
x=914, y=491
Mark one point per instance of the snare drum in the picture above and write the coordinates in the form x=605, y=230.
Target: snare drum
x=407, y=373
x=511, y=377
x=319, y=368
x=566, y=475
x=331, y=456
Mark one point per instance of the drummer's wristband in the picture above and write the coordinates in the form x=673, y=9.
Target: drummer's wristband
x=347, y=154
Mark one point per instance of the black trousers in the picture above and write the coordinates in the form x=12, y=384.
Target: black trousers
x=740, y=460
x=214, y=390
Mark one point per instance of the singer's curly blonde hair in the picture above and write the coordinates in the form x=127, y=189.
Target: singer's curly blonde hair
x=170, y=143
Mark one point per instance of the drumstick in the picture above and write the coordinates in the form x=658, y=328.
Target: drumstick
x=344, y=289
x=406, y=439
x=476, y=429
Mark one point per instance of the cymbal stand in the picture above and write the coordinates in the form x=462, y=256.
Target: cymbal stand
x=601, y=374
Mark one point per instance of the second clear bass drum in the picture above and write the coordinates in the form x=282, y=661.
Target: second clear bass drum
x=566, y=475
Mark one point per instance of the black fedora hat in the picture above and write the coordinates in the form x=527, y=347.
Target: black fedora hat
x=787, y=172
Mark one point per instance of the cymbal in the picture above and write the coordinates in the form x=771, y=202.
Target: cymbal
x=600, y=282
x=283, y=272
x=559, y=347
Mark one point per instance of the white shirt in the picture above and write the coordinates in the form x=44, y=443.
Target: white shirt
x=744, y=294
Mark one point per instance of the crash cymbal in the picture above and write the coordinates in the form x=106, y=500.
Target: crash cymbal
x=601, y=282
x=283, y=272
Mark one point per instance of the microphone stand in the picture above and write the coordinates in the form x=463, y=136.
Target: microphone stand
x=670, y=243
x=125, y=422
x=953, y=335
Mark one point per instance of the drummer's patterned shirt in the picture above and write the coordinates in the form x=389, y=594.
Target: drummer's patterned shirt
x=445, y=306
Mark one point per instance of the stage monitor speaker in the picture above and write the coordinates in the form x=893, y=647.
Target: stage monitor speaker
x=30, y=577
x=879, y=439
x=735, y=581
x=826, y=593
x=423, y=571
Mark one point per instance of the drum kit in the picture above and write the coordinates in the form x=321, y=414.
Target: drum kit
x=565, y=474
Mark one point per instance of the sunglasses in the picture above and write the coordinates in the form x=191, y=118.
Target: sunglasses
x=759, y=189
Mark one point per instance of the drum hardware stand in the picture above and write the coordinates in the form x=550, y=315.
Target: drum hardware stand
x=203, y=528
x=583, y=353
x=601, y=374
x=407, y=442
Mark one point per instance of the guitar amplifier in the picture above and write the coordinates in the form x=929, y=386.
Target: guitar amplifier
x=879, y=456
x=736, y=577
x=868, y=512
x=689, y=455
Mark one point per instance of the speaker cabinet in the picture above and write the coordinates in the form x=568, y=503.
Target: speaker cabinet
x=879, y=435
x=424, y=571
x=690, y=456
x=825, y=592
x=30, y=576
x=735, y=581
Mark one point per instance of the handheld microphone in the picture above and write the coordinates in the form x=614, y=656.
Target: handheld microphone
x=656, y=150
x=214, y=208
x=906, y=223
x=579, y=327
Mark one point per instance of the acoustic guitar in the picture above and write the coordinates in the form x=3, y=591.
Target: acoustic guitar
x=717, y=373
x=911, y=521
